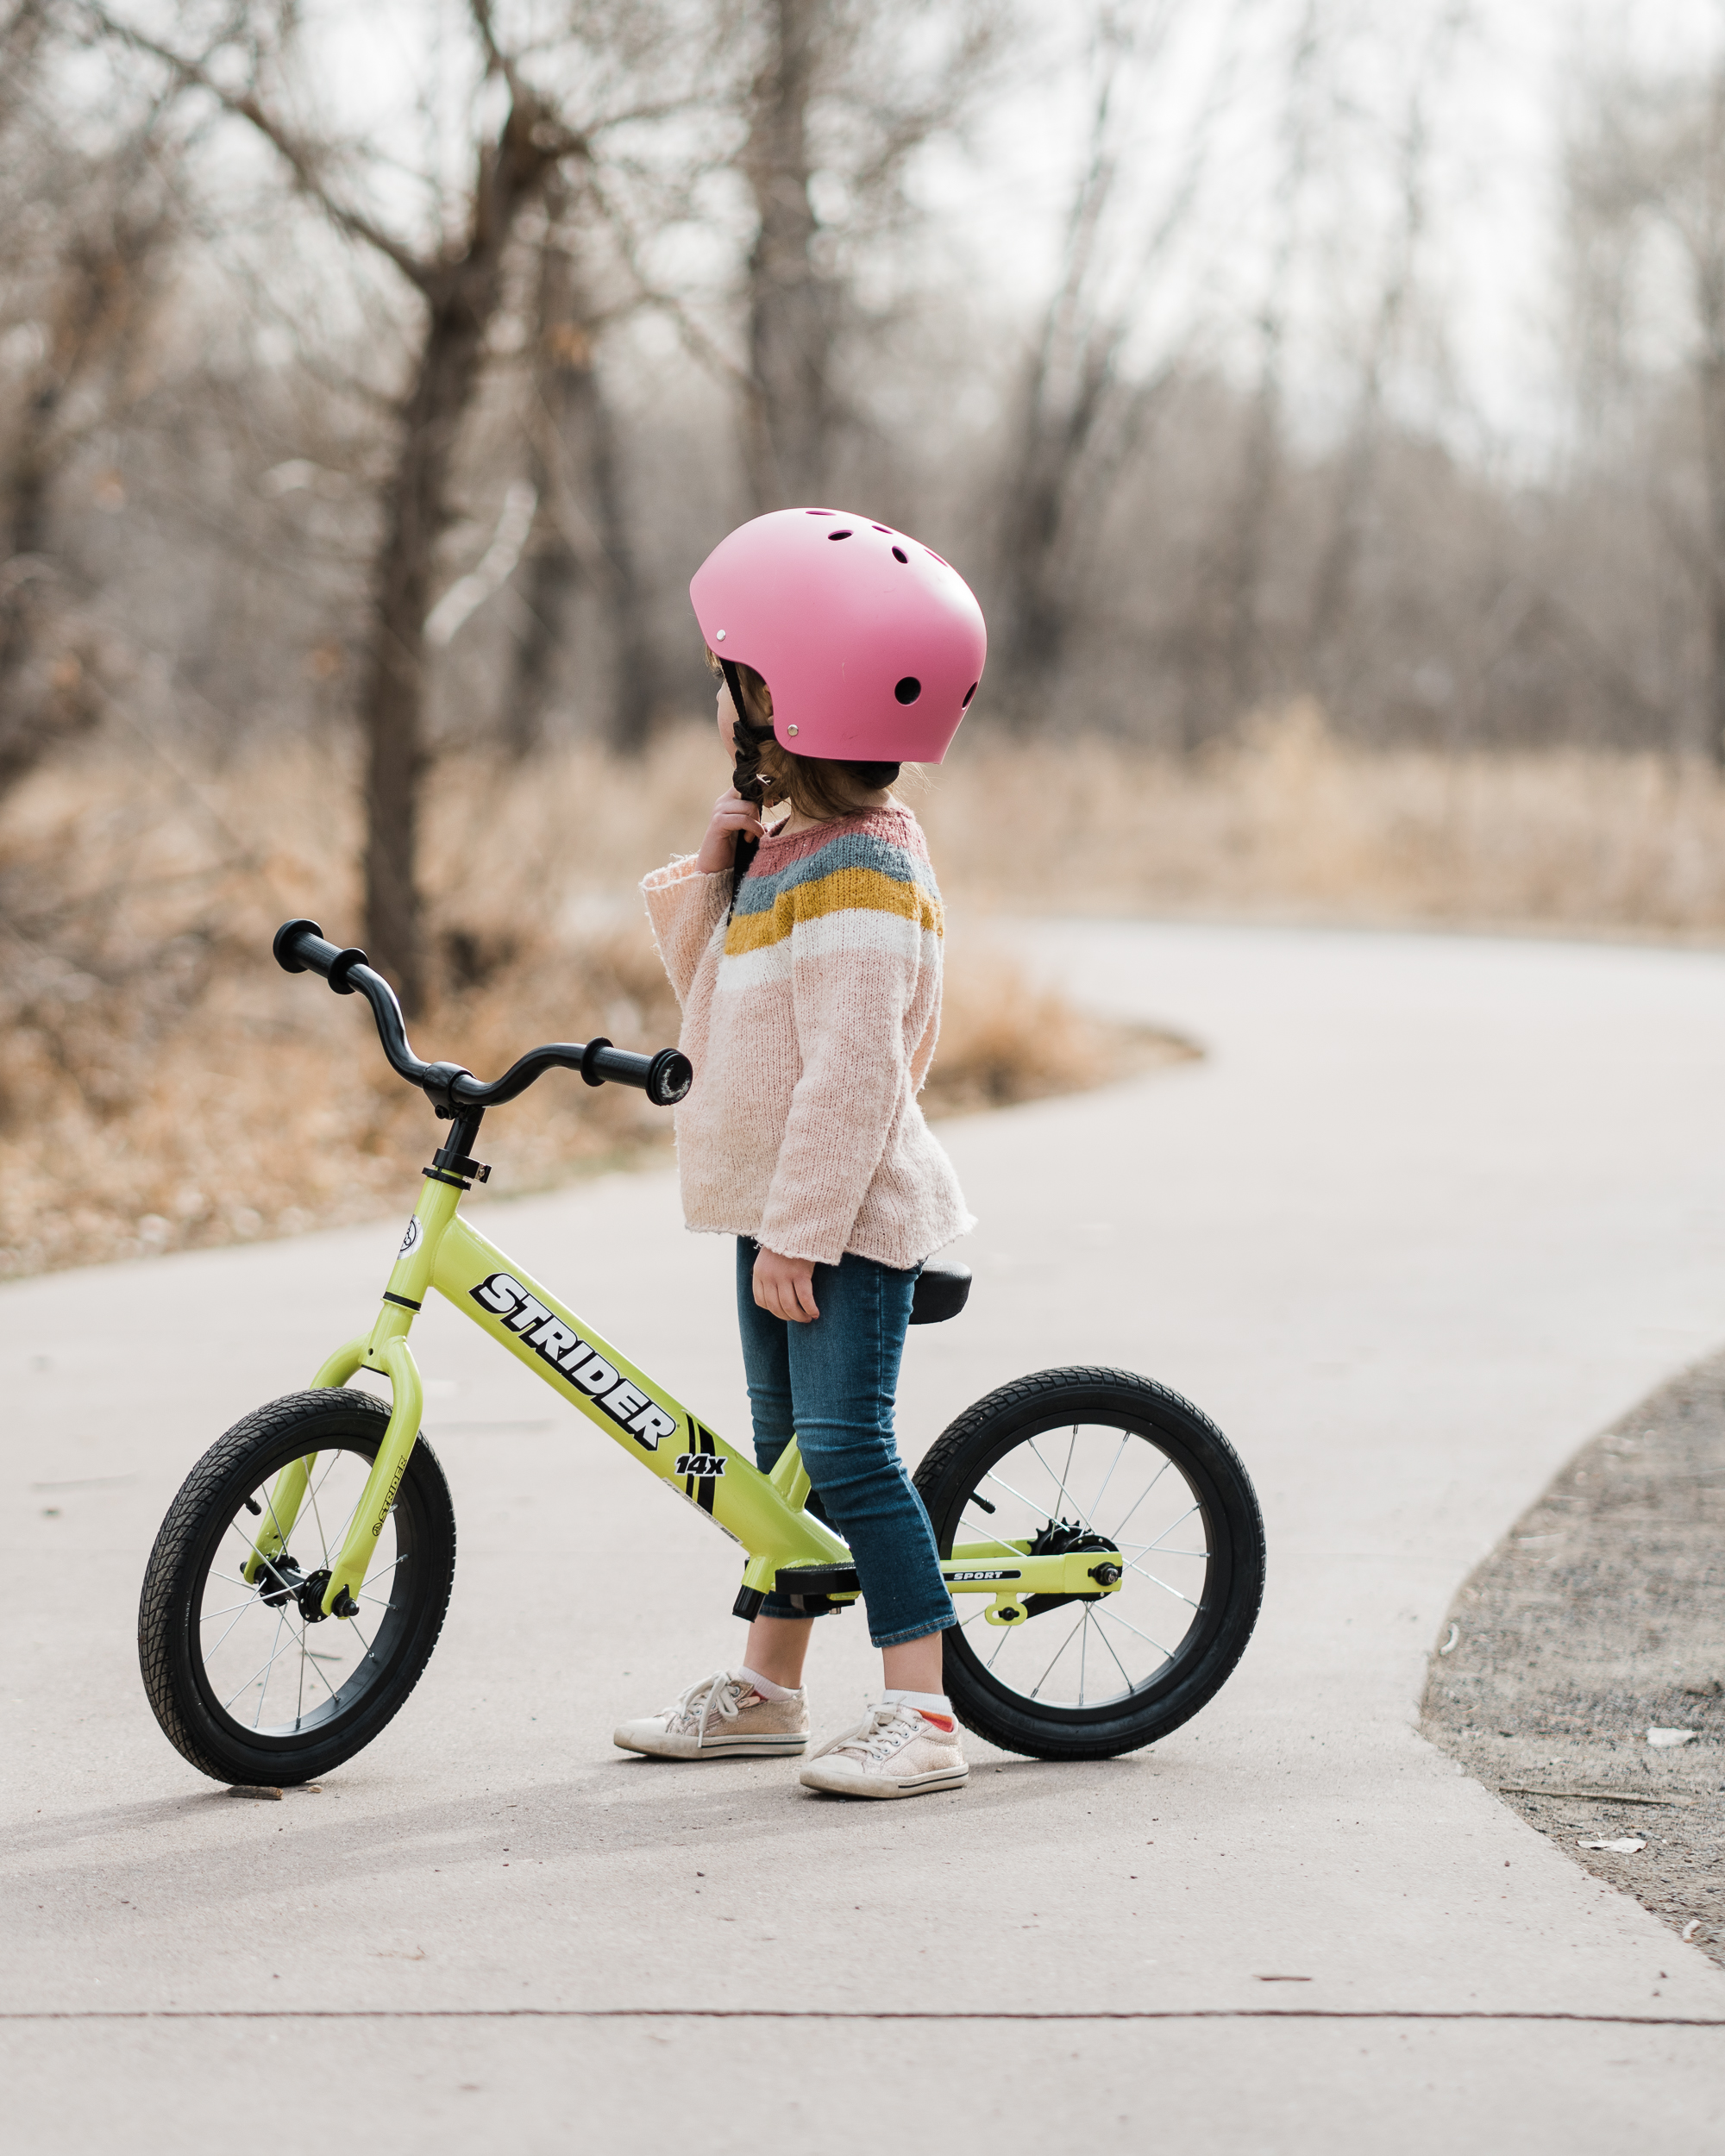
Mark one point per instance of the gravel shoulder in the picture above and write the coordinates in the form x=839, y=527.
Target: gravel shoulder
x=1600, y=1617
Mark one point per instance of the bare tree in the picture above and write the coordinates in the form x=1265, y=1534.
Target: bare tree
x=87, y=233
x=459, y=283
x=1238, y=570
x=582, y=533
x=1648, y=165
x=835, y=91
x=1082, y=409
x=1332, y=587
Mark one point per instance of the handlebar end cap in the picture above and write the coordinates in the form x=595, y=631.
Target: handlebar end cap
x=669, y=1077
x=285, y=937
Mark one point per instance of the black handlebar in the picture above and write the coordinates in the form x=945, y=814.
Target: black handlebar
x=301, y=947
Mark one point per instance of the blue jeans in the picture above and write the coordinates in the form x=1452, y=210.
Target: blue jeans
x=830, y=1384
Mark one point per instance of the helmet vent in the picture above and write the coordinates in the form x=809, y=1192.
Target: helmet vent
x=908, y=690
x=885, y=528
x=839, y=534
x=933, y=556
x=898, y=554
x=821, y=512
x=968, y=693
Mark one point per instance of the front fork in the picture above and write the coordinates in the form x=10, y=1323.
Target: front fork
x=385, y=1350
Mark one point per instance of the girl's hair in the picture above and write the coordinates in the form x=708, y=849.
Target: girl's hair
x=819, y=787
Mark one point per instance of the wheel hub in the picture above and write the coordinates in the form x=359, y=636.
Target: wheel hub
x=287, y=1583
x=1059, y=1539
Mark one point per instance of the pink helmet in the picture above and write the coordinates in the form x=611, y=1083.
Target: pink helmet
x=871, y=645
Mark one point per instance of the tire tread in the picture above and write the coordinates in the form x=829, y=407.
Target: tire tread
x=175, y=1549
x=1041, y=1736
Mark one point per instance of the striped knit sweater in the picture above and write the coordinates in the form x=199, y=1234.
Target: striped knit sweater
x=810, y=1020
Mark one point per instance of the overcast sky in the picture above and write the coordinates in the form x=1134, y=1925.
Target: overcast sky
x=1495, y=81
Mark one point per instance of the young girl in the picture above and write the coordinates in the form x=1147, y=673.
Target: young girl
x=807, y=958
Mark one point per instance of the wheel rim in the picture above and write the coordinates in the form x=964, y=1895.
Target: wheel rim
x=1131, y=1488
x=270, y=1677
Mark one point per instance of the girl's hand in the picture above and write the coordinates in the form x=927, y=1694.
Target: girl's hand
x=732, y=816
x=785, y=1286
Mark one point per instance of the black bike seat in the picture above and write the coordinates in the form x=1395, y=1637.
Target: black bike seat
x=942, y=1292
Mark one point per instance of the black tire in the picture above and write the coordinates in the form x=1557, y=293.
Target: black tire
x=188, y=1668
x=1147, y=1699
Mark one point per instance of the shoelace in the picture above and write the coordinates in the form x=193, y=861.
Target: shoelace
x=721, y=1690
x=887, y=1729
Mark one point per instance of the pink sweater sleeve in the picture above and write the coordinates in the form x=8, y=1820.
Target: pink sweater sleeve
x=852, y=977
x=685, y=905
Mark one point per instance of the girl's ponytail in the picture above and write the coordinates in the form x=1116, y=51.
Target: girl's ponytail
x=750, y=740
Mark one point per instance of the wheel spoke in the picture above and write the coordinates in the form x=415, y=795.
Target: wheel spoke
x=1163, y=1584
x=257, y=1673
x=254, y=1604
x=970, y=1526
x=1131, y=1628
x=1058, y=1651
x=1096, y=1502
x=1066, y=1493
x=1109, y=1644
x=1168, y=1531
x=315, y=1660
x=1142, y=1494
x=989, y=1476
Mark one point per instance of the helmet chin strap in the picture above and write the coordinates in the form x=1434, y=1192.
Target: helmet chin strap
x=749, y=740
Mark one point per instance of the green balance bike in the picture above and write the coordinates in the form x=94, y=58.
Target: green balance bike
x=1100, y=1531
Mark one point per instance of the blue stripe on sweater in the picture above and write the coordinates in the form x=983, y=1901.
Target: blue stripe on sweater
x=850, y=849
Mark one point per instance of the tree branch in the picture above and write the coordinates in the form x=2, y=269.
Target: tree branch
x=302, y=158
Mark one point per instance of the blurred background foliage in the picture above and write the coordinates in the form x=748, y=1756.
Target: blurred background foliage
x=371, y=380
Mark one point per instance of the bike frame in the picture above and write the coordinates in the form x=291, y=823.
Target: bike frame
x=763, y=1513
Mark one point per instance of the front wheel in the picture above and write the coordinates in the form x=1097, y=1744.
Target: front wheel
x=247, y=1680
x=1095, y=1459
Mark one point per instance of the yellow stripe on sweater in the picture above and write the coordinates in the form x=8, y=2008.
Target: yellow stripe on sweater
x=846, y=890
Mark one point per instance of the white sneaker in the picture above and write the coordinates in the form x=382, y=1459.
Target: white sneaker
x=894, y=1750
x=722, y=1717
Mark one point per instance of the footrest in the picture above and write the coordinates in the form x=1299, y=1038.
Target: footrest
x=800, y=1580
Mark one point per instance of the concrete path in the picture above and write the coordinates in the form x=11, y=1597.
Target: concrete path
x=1431, y=1213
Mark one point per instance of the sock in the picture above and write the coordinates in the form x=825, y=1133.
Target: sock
x=766, y=1687
x=934, y=1706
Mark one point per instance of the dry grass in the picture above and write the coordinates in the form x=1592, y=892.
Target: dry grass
x=1291, y=822
x=164, y=1086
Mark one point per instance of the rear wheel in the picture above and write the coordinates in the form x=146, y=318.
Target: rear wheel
x=246, y=1680
x=1095, y=1459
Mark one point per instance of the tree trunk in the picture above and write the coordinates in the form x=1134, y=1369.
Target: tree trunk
x=98, y=308
x=462, y=296
x=576, y=471
x=1706, y=240
x=1711, y=386
x=563, y=355
x=790, y=315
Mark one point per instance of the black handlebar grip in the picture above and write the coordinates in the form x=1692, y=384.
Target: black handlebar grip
x=664, y=1078
x=290, y=959
x=669, y=1076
